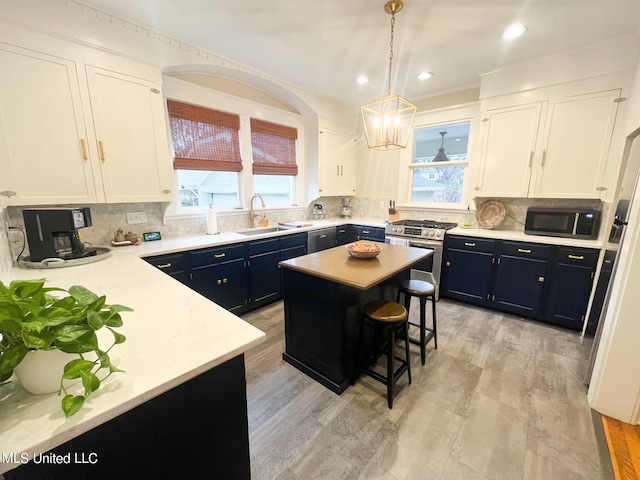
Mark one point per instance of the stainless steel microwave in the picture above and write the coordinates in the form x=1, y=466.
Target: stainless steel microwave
x=562, y=222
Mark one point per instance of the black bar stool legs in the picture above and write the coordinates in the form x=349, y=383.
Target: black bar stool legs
x=388, y=317
x=423, y=291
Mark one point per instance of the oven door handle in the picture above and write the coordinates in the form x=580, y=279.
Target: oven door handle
x=425, y=244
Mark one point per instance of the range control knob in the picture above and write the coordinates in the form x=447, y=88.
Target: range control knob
x=438, y=233
x=431, y=233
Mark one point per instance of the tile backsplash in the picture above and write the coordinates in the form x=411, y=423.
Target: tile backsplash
x=107, y=218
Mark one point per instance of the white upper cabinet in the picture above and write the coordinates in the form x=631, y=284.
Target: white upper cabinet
x=43, y=139
x=552, y=149
x=337, y=163
x=575, y=146
x=129, y=136
x=75, y=133
x=509, y=142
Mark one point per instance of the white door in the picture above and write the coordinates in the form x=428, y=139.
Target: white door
x=576, y=141
x=508, y=149
x=44, y=155
x=131, y=138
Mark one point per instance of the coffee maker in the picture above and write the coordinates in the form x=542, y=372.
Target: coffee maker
x=53, y=233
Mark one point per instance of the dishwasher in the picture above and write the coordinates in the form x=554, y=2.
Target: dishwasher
x=321, y=239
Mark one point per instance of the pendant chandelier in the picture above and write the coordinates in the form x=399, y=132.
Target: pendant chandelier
x=388, y=120
x=441, y=156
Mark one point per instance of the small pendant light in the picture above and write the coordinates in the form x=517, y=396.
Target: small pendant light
x=441, y=157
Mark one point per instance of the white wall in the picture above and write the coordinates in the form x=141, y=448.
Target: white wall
x=615, y=384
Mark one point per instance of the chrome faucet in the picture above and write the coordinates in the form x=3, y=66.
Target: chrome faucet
x=252, y=215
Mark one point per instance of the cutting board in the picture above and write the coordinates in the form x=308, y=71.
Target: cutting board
x=298, y=224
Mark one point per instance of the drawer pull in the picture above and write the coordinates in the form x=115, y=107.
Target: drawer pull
x=469, y=244
x=365, y=232
x=219, y=282
x=323, y=236
x=164, y=265
x=224, y=280
x=524, y=250
x=541, y=279
x=607, y=261
x=220, y=255
x=576, y=257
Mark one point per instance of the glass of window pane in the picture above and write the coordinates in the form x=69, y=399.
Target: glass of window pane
x=276, y=190
x=201, y=188
x=438, y=184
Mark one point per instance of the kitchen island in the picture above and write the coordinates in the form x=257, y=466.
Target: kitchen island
x=178, y=411
x=324, y=293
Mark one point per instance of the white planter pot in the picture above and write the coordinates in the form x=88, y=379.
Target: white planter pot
x=41, y=370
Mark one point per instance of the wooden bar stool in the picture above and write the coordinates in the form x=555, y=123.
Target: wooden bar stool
x=389, y=317
x=423, y=290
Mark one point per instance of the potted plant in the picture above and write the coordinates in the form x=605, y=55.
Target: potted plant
x=34, y=319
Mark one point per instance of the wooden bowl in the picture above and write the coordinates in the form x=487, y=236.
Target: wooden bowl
x=363, y=250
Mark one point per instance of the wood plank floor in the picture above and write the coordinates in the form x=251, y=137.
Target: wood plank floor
x=624, y=447
x=501, y=398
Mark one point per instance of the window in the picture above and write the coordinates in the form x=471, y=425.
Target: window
x=439, y=163
x=274, y=161
x=206, y=151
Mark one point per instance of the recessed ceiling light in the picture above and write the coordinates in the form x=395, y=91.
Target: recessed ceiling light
x=362, y=79
x=424, y=75
x=514, y=31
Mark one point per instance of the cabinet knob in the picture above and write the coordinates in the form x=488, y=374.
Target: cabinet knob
x=219, y=282
x=224, y=280
x=448, y=264
x=541, y=279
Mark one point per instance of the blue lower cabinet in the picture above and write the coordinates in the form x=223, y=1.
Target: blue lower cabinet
x=264, y=274
x=467, y=269
x=545, y=282
x=466, y=276
x=570, y=286
x=221, y=274
x=521, y=271
x=519, y=285
x=342, y=235
x=173, y=265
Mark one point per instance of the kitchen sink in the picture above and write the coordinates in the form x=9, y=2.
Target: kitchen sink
x=261, y=231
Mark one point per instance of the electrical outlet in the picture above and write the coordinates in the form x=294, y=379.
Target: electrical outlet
x=16, y=236
x=136, y=217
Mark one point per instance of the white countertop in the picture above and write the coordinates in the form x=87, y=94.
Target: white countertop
x=523, y=237
x=173, y=335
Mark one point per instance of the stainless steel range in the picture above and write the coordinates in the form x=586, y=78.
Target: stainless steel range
x=421, y=234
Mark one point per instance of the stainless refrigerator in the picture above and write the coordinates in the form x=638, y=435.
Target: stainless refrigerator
x=626, y=186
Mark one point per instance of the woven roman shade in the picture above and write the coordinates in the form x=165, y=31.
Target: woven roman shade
x=274, y=148
x=204, y=139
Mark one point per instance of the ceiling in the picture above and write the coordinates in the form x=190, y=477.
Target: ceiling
x=323, y=46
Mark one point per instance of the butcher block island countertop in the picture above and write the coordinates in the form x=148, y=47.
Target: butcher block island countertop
x=336, y=265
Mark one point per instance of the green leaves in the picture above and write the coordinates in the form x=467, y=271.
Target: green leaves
x=71, y=404
x=33, y=316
